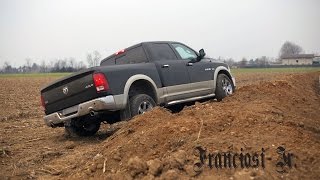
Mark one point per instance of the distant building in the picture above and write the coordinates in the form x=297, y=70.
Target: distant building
x=298, y=59
x=316, y=60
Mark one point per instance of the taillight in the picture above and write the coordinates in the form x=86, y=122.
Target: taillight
x=43, y=103
x=100, y=82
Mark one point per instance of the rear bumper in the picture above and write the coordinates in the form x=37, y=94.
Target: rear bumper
x=98, y=104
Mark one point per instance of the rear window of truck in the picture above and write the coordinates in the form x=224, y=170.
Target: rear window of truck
x=129, y=56
x=132, y=56
x=107, y=62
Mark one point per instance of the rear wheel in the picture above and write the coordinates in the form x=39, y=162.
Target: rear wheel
x=224, y=87
x=80, y=127
x=140, y=104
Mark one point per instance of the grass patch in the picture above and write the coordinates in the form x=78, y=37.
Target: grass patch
x=34, y=75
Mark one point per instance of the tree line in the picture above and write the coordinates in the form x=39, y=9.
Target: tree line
x=262, y=61
x=57, y=65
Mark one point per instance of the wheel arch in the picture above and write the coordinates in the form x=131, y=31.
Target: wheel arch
x=139, y=79
x=220, y=70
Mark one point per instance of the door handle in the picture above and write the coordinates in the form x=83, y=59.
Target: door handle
x=189, y=64
x=165, y=66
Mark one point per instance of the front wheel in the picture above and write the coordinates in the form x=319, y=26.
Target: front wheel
x=224, y=87
x=140, y=104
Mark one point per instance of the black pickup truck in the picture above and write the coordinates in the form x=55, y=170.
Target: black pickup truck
x=131, y=82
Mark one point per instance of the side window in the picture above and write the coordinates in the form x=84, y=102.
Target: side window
x=162, y=51
x=184, y=52
x=132, y=56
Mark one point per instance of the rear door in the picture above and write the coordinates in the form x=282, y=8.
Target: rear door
x=173, y=72
x=201, y=73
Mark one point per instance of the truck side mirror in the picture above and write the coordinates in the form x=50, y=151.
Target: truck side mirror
x=201, y=54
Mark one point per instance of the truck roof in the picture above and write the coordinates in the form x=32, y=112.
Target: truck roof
x=130, y=47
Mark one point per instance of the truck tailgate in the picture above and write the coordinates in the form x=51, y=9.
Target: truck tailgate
x=69, y=91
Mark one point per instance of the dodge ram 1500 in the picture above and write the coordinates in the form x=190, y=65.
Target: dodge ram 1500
x=131, y=82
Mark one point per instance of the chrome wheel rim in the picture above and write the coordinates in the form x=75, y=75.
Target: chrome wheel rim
x=227, y=86
x=144, y=107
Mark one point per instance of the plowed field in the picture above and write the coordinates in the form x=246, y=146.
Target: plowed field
x=268, y=110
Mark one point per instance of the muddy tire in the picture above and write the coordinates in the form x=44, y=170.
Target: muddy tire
x=81, y=128
x=224, y=87
x=140, y=104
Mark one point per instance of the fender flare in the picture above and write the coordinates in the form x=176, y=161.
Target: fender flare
x=134, y=78
x=216, y=72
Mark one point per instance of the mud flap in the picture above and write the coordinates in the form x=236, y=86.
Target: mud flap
x=125, y=114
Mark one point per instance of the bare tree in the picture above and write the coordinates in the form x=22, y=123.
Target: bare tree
x=96, y=58
x=7, y=67
x=290, y=48
x=72, y=63
x=81, y=65
x=6, y=64
x=230, y=62
x=263, y=61
x=243, y=62
x=28, y=64
x=63, y=65
x=93, y=59
x=43, y=66
x=35, y=67
x=60, y=65
x=90, y=60
x=51, y=66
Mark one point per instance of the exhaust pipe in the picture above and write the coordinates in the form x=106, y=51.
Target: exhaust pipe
x=93, y=113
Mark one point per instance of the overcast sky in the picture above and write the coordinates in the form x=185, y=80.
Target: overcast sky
x=50, y=29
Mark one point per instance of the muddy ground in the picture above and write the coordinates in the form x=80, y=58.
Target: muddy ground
x=268, y=110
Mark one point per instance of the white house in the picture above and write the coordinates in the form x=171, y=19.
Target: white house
x=298, y=59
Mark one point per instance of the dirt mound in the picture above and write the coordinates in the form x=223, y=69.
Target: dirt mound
x=284, y=111
x=276, y=113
